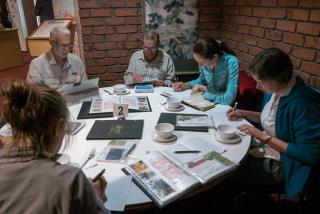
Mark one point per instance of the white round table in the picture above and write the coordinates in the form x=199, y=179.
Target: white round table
x=79, y=148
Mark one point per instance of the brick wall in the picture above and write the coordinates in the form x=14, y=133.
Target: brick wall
x=249, y=26
x=112, y=31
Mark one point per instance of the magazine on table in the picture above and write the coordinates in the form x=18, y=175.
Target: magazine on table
x=116, y=151
x=166, y=175
x=193, y=120
x=105, y=104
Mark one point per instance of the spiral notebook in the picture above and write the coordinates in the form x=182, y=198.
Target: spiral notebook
x=166, y=176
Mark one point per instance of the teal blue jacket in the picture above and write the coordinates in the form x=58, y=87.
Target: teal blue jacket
x=222, y=83
x=298, y=124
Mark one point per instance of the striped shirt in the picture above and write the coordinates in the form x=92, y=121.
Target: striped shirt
x=161, y=68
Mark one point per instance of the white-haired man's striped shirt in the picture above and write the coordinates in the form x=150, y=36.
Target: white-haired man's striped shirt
x=161, y=68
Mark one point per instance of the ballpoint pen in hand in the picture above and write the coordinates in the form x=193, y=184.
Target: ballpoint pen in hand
x=98, y=175
x=235, y=106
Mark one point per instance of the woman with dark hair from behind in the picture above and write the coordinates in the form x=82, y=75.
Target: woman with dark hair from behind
x=291, y=122
x=219, y=71
x=31, y=181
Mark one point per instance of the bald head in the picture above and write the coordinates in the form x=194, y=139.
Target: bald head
x=58, y=32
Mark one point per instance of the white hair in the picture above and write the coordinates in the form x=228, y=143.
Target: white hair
x=59, y=31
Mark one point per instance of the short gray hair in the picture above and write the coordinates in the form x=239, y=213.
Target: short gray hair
x=59, y=31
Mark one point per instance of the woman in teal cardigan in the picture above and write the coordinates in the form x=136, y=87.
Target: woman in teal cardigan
x=219, y=72
x=290, y=119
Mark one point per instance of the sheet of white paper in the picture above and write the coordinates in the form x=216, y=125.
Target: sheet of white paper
x=84, y=85
x=117, y=192
x=6, y=131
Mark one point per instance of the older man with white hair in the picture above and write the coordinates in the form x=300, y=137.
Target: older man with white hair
x=57, y=66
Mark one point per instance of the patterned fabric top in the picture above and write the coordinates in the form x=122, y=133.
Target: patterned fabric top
x=222, y=83
x=161, y=68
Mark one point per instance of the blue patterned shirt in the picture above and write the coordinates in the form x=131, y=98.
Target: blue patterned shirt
x=222, y=83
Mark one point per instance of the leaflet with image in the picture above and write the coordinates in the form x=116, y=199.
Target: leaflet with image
x=116, y=151
x=105, y=104
x=193, y=120
x=100, y=105
x=206, y=165
x=165, y=176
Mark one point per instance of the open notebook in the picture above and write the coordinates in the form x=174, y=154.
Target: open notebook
x=166, y=176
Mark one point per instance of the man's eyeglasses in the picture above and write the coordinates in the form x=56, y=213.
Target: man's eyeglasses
x=150, y=49
x=64, y=46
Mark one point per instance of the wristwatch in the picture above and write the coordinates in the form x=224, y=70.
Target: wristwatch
x=267, y=139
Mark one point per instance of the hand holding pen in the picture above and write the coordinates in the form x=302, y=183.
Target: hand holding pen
x=98, y=175
x=100, y=184
x=233, y=113
x=235, y=106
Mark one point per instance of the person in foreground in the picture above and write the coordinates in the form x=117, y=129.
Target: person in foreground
x=57, y=66
x=219, y=72
x=32, y=181
x=291, y=122
x=150, y=63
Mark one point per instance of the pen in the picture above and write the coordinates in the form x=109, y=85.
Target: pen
x=98, y=175
x=186, y=151
x=132, y=148
x=235, y=106
x=107, y=92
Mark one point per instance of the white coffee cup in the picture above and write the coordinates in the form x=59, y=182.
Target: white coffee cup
x=164, y=130
x=173, y=102
x=119, y=88
x=226, y=131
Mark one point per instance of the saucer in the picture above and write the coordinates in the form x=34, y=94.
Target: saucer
x=155, y=137
x=180, y=108
x=123, y=93
x=234, y=139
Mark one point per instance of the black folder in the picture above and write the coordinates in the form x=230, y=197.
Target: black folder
x=85, y=109
x=172, y=118
x=116, y=129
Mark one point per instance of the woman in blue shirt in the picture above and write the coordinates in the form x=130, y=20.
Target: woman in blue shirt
x=291, y=122
x=219, y=72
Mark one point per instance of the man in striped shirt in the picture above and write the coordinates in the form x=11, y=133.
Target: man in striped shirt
x=150, y=64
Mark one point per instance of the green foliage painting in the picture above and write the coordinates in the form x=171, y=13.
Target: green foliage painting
x=177, y=23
